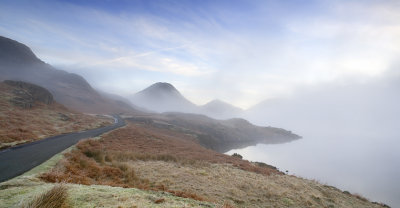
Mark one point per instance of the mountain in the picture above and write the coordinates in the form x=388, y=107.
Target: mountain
x=18, y=62
x=13, y=52
x=163, y=97
x=30, y=113
x=220, y=110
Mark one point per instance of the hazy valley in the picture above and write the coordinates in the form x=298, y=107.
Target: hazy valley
x=165, y=135
x=225, y=103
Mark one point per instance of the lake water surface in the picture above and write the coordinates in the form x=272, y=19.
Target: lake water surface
x=367, y=165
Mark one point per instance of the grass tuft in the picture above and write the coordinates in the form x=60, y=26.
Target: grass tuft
x=54, y=198
x=159, y=201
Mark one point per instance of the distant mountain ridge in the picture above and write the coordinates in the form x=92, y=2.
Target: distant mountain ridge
x=164, y=97
x=18, y=62
x=221, y=110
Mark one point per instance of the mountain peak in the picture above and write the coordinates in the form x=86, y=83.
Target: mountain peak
x=216, y=102
x=14, y=52
x=161, y=89
x=162, y=97
x=220, y=109
x=164, y=86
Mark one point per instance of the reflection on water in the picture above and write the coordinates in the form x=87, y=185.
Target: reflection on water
x=369, y=166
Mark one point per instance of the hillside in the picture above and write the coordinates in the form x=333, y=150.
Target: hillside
x=29, y=113
x=144, y=166
x=18, y=62
x=219, y=135
x=163, y=97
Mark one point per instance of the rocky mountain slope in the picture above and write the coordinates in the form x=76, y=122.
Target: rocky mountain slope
x=18, y=62
x=28, y=94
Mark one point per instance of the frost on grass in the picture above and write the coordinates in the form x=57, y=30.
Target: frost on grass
x=27, y=188
x=164, y=161
x=56, y=197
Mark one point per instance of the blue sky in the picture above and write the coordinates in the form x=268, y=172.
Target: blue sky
x=242, y=52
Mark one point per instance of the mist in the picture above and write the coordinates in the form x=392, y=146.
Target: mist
x=350, y=135
x=369, y=106
x=325, y=70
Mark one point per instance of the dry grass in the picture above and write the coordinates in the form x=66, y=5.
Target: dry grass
x=227, y=185
x=54, y=198
x=142, y=142
x=22, y=189
x=19, y=125
x=108, y=161
x=80, y=196
x=163, y=160
x=89, y=168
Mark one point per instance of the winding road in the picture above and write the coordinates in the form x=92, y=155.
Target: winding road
x=17, y=160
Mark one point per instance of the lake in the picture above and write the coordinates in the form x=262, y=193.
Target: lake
x=366, y=163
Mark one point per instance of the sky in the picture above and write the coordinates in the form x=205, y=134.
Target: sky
x=242, y=52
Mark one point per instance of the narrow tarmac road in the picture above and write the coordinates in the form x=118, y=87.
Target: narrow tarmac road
x=17, y=160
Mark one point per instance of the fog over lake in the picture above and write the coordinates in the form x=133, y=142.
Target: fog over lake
x=369, y=168
x=350, y=137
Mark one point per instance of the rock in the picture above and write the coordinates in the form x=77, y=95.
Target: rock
x=64, y=117
x=27, y=94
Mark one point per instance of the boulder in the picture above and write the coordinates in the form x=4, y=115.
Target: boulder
x=27, y=94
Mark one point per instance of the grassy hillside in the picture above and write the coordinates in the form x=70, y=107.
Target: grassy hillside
x=23, y=190
x=142, y=166
x=26, y=118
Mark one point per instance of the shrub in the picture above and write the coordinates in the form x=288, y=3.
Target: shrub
x=358, y=196
x=96, y=155
x=159, y=201
x=264, y=165
x=237, y=155
x=108, y=158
